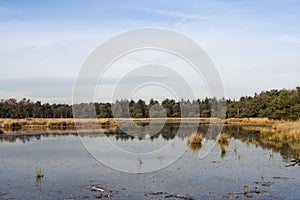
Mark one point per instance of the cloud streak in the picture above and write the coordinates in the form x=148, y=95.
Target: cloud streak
x=254, y=44
x=177, y=15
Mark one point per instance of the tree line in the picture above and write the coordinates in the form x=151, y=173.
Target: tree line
x=273, y=104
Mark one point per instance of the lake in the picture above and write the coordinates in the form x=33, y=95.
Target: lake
x=147, y=166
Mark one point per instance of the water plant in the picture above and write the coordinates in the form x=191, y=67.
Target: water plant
x=195, y=138
x=223, y=138
x=223, y=142
x=195, y=141
x=38, y=173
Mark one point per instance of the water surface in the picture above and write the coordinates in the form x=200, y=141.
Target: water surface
x=246, y=168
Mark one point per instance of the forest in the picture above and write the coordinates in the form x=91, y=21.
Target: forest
x=274, y=104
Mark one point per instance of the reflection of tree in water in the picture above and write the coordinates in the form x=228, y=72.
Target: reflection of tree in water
x=123, y=137
x=252, y=136
x=23, y=138
x=170, y=131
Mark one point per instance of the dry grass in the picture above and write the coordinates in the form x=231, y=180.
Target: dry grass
x=282, y=134
x=31, y=124
x=195, y=138
x=223, y=139
x=195, y=147
x=195, y=142
x=38, y=173
x=230, y=121
x=68, y=123
x=250, y=121
x=282, y=131
x=55, y=123
x=277, y=133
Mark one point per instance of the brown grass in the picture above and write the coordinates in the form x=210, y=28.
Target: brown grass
x=250, y=121
x=54, y=123
x=282, y=131
x=68, y=123
x=268, y=127
x=282, y=134
x=38, y=173
x=195, y=142
x=195, y=138
x=31, y=124
x=223, y=138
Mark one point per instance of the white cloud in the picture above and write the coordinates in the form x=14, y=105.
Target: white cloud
x=289, y=38
x=181, y=16
x=246, y=44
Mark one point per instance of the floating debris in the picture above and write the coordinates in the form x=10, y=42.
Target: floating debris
x=178, y=197
x=3, y=193
x=101, y=196
x=166, y=195
x=154, y=193
x=265, y=184
x=96, y=188
x=282, y=177
x=294, y=162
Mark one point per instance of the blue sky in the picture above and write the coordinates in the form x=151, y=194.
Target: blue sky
x=255, y=45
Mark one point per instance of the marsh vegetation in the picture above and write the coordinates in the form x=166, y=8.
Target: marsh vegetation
x=195, y=142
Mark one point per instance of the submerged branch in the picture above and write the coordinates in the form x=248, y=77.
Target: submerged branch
x=294, y=162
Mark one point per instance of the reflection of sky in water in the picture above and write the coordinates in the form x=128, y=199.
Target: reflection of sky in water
x=69, y=169
x=124, y=156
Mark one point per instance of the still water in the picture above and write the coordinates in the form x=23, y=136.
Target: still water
x=246, y=167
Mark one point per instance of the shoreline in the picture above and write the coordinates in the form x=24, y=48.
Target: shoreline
x=72, y=123
x=275, y=132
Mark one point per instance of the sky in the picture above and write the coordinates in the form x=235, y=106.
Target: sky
x=255, y=45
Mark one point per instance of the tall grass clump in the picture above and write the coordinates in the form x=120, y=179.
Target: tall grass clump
x=223, y=138
x=38, y=173
x=195, y=138
x=283, y=134
x=287, y=132
x=195, y=141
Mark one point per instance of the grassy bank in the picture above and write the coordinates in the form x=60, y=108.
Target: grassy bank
x=54, y=123
x=282, y=134
x=69, y=123
x=271, y=129
x=277, y=134
x=251, y=122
